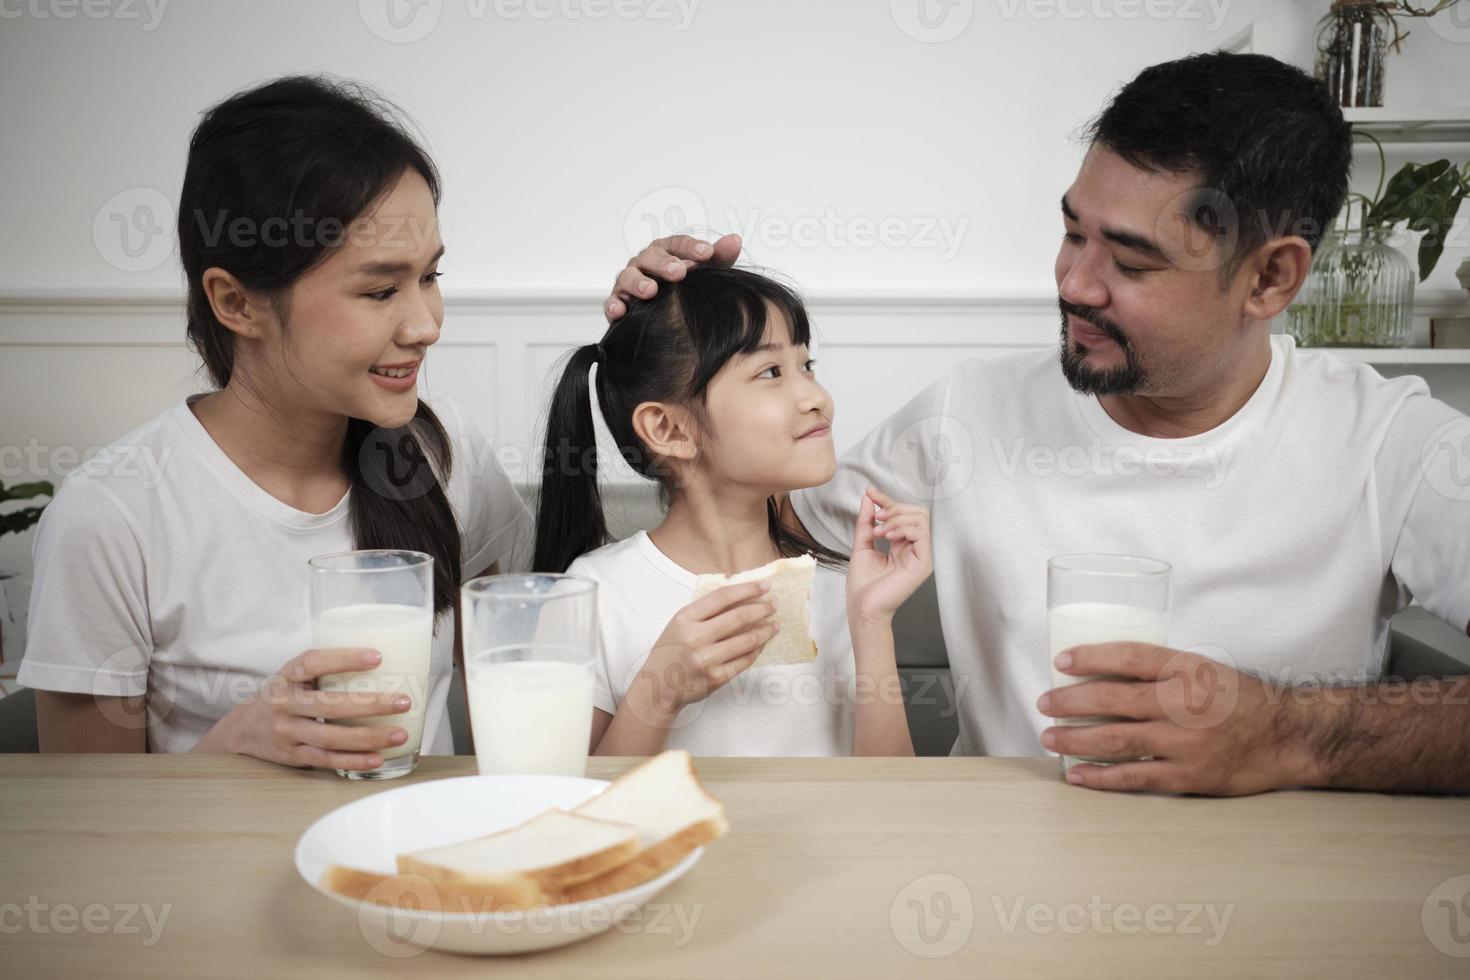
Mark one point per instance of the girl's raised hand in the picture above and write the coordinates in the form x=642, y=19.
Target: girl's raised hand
x=877, y=584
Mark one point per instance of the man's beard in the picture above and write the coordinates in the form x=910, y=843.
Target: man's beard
x=1125, y=380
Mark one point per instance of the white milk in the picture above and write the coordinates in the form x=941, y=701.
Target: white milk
x=531, y=716
x=404, y=635
x=1077, y=623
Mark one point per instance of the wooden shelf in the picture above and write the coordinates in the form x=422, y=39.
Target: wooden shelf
x=1422, y=125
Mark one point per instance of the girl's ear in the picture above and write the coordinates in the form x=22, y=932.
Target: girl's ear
x=667, y=430
x=233, y=305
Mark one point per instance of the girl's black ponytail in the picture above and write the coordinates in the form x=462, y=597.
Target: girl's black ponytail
x=569, y=519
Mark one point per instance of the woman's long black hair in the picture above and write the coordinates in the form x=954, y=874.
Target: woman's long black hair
x=665, y=349
x=296, y=161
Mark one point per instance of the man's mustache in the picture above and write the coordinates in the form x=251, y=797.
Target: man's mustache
x=1097, y=320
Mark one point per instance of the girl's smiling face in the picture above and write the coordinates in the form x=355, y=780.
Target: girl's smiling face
x=767, y=421
x=367, y=312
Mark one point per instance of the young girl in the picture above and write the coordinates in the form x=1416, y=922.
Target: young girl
x=708, y=389
x=171, y=615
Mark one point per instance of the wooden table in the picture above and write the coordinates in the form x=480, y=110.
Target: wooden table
x=832, y=868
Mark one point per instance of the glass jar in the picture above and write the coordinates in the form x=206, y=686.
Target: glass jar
x=1351, y=41
x=1359, y=293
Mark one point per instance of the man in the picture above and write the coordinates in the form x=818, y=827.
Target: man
x=1301, y=500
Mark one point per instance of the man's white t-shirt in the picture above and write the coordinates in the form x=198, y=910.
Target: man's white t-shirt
x=786, y=709
x=162, y=569
x=1295, y=529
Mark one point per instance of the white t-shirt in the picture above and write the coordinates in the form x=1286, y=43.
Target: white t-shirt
x=1295, y=528
x=162, y=569
x=785, y=709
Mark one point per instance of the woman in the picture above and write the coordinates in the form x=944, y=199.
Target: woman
x=172, y=614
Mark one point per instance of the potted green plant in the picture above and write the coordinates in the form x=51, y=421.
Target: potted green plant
x=1360, y=292
x=14, y=522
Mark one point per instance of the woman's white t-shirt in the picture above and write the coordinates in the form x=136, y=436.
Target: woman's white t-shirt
x=788, y=709
x=162, y=569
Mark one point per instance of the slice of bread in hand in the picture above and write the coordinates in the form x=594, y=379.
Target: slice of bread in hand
x=526, y=865
x=791, y=584
x=672, y=812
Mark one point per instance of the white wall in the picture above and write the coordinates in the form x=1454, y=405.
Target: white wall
x=557, y=134
x=565, y=139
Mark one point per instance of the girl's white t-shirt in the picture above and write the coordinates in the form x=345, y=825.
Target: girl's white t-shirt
x=162, y=569
x=783, y=710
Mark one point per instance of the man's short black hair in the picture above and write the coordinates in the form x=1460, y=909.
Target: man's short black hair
x=1263, y=136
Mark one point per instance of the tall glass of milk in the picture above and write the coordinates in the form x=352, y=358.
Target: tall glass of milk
x=530, y=644
x=1102, y=599
x=384, y=601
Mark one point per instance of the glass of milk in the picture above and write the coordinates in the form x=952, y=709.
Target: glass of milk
x=1102, y=599
x=384, y=601
x=530, y=642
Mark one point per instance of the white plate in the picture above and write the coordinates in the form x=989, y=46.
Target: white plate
x=369, y=834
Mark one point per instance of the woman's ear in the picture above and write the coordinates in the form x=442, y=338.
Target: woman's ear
x=233, y=306
x=667, y=430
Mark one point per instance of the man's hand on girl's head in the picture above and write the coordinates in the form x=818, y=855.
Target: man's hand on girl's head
x=667, y=259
